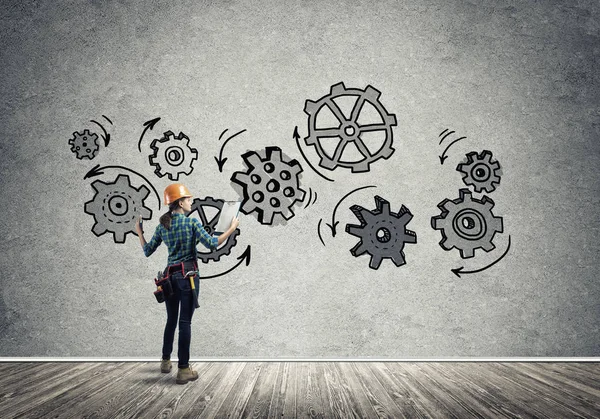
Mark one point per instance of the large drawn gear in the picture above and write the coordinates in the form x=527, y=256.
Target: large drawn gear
x=84, y=144
x=348, y=130
x=271, y=185
x=467, y=224
x=172, y=155
x=480, y=172
x=198, y=206
x=382, y=233
x=116, y=207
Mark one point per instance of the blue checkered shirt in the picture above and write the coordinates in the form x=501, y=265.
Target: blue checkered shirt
x=181, y=239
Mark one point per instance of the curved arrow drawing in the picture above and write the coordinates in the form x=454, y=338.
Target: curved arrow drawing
x=106, y=136
x=245, y=255
x=443, y=156
x=334, y=223
x=221, y=161
x=297, y=138
x=458, y=271
x=148, y=125
x=96, y=171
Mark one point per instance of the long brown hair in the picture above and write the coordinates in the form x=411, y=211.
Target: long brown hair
x=165, y=219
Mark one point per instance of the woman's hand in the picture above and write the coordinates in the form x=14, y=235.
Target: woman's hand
x=138, y=226
x=234, y=223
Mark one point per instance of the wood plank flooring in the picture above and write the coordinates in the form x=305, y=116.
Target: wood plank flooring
x=301, y=389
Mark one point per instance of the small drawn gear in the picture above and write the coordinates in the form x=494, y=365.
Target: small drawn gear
x=467, y=224
x=480, y=172
x=172, y=155
x=116, y=207
x=382, y=233
x=349, y=131
x=84, y=144
x=271, y=184
x=198, y=206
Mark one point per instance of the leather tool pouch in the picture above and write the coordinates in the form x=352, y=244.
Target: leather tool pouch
x=164, y=288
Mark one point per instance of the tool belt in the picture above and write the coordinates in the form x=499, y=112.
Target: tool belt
x=163, y=282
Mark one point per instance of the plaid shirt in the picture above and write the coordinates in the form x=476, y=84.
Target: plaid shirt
x=181, y=239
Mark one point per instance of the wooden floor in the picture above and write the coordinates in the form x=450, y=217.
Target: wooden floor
x=301, y=389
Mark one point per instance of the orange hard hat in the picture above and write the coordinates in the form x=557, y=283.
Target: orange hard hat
x=174, y=192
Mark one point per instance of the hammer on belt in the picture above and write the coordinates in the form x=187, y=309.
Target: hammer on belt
x=191, y=275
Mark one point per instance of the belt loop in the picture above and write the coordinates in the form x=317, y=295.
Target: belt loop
x=182, y=270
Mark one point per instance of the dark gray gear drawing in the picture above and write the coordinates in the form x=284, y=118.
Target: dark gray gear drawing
x=172, y=155
x=382, y=233
x=467, y=224
x=348, y=130
x=84, y=144
x=479, y=171
x=271, y=185
x=198, y=206
x=116, y=207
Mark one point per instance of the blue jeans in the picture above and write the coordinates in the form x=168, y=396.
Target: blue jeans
x=183, y=297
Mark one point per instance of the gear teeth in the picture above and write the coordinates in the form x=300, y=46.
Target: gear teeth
x=359, y=249
x=488, y=247
x=386, y=153
x=375, y=262
x=371, y=94
x=358, y=212
x=274, y=153
x=311, y=107
x=355, y=230
x=410, y=237
x=382, y=205
x=399, y=259
x=254, y=160
x=98, y=229
x=337, y=89
x=361, y=167
x=310, y=140
x=327, y=163
x=267, y=217
x=467, y=253
x=390, y=119
x=405, y=218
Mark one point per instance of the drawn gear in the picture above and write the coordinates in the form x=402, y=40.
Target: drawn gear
x=349, y=130
x=382, y=233
x=467, y=224
x=116, y=207
x=480, y=172
x=174, y=192
x=172, y=155
x=271, y=184
x=209, y=225
x=84, y=144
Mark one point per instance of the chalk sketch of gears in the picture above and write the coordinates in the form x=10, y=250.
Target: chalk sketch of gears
x=271, y=185
x=350, y=129
x=479, y=171
x=116, y=206
x=467, y=223
x=172, y=155
x=383, y=233
x=198, y=207
x=84, y=144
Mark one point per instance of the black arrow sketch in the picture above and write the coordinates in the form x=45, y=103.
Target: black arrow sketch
x=319, y=231
x=444, y=137
x=458, y=271
x=443, y=156
x=297, y=138
x=106, y=136
x=334, y=223
x=106, y=117
x=220, y=160
x=148, y=126
x=96, y=171
x=245, y=255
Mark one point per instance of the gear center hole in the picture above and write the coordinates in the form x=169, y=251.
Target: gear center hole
x=468, y=223
x=383, y=235
x=349, y=130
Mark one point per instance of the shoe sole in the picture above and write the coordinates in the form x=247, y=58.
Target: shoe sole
x=180, y=381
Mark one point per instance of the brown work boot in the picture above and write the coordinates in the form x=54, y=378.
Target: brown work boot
x=165, y=366
x=186, y=374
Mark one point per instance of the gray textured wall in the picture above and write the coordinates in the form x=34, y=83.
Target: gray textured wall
x=517, y=78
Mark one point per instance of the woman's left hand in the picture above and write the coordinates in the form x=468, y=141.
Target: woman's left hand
x=138, y=226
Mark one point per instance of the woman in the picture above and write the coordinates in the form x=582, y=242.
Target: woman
x=181, y=234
